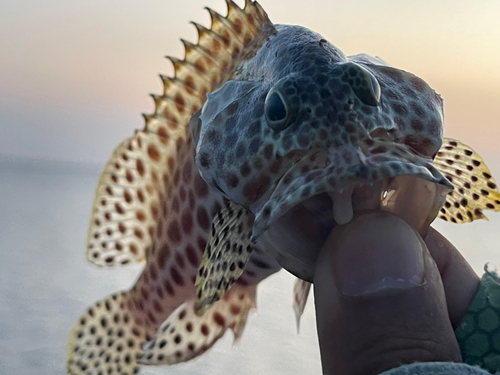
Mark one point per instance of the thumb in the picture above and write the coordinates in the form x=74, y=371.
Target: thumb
x=379, y=299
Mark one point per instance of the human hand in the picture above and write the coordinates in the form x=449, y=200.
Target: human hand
x=386, y=297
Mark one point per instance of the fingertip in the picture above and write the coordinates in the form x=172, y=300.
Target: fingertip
x=378, y=252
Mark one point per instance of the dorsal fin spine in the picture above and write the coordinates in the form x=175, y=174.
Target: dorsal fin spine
x=162, y=108
x=173, y=82
x=233, y=9
x=179, y=64
x=230, y=27
x=205, y=34
x=192, y=48
x=262, y=13
x=204, y=31
x=158, y=102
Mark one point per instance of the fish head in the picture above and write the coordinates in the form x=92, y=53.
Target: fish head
x=300, y=124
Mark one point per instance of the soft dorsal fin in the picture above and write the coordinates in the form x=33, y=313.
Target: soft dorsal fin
x=127, y=205
x=475, y=189
x=129, y=198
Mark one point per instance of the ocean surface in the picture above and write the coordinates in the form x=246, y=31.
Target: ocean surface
x=46, y=283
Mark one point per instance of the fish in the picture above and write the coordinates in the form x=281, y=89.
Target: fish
x=302, y=137
x=235, y=144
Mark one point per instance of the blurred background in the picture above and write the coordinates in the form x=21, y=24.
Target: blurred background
x=74, y=78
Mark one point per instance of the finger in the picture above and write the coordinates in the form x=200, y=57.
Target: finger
x=459, y=279
x=379, y=299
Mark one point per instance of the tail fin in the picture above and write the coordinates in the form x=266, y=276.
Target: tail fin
x=185, y=334
x=106, y=339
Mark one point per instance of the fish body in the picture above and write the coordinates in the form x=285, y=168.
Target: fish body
x=257, y=119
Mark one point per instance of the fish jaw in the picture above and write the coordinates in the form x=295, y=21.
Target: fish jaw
x=296, y=237
x=314, y=196
x=319, y=172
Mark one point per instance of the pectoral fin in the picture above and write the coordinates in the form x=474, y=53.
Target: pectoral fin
x=228, y=250
x=475, y=188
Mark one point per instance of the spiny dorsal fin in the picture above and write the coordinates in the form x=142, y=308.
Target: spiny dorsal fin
x=206, y=65
x=185, y=334
x=475, y=189
x=127, y=205
x=228, y=249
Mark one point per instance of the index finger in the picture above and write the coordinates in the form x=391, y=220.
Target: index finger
x=459, y=279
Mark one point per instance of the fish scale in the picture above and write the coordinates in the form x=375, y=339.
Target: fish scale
x=191, y=193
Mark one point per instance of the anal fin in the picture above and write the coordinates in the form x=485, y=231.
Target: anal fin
x=185, y=334
x=106, y=339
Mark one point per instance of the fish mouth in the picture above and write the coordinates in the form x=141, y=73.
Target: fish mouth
x=296, y=229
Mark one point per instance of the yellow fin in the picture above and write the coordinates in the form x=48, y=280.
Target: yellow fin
x=185, y=334
x=106, y=339
x=127, y=205
x=228, y=249
x=475, y=189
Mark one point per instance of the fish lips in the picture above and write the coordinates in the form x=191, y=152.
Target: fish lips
x=297, y=216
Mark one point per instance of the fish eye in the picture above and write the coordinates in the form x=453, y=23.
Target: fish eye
x=275, y=108
x=276, y=111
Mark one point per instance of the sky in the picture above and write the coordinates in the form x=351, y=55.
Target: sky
x=75, y=75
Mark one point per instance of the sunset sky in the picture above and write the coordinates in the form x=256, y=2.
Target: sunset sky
x=75, y=74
